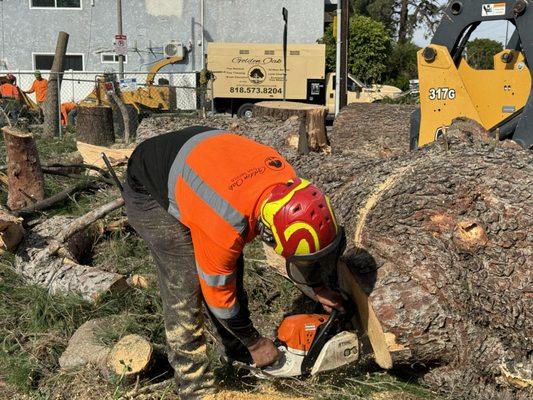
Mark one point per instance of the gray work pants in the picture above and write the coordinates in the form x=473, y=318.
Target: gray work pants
x=171, y=247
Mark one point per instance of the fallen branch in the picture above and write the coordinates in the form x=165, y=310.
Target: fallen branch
x=49, y=256
x=58, y=197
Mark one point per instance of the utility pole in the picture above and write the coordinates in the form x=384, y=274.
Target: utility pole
x=338, y=68
x=344, y=23
x=119, y=27
x=285, y=14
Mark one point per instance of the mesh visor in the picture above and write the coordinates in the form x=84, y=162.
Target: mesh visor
x=308, y=269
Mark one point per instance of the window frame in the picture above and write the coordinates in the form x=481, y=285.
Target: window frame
x=55, y=7
x=114, y=55
x=43, y=53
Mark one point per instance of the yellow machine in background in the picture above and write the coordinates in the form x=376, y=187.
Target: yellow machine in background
x=500, y=99
x=149, y=98
x=486, y=96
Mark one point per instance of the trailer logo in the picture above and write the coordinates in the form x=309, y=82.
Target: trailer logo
x=257, y=74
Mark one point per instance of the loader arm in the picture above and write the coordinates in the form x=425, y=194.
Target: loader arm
x=159, y=65
x=500, y=99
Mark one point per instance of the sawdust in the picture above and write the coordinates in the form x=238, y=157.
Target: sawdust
x=265, y=393
x=393, y=395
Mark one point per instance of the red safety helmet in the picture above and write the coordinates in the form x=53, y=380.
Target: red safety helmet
x=297, y=220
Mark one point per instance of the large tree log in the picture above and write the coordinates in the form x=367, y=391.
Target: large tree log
x=94, y=125
x=313, y=121
x=49, y=256
x=372, y=130
x=25, y=176
x=440, y=240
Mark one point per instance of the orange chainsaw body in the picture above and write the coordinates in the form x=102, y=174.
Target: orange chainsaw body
x=298, y=331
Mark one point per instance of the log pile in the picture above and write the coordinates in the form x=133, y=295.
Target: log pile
x=440, y=240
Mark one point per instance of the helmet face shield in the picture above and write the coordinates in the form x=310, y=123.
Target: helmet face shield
x=308, y=269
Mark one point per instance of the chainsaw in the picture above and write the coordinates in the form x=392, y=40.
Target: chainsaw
x=310, y=344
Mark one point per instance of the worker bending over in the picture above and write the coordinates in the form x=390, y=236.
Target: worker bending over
x=66, y=110
x=197, y=196
x=39, y=87
x=9, y=88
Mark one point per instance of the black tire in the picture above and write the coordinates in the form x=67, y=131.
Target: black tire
x=246, y=111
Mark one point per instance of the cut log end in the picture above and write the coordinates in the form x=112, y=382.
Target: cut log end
x=11, y=231
x=131, y=356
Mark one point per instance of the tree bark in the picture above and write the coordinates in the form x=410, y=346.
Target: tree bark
x=94, y=125
x=403, y=23
x=25, y=176
x=49, y=256
x=440, y=241
x=51, y=105
x=313, y=121
x=372, y=130
x=125, y=115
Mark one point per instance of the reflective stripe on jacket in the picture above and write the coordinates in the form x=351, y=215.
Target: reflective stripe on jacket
x=215, y=185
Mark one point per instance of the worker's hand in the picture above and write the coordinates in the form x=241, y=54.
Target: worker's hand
x=264, y=352
x=329, y=299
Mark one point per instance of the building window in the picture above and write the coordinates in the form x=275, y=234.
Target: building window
x=76, y=4
x=44, y=62
x=108, y=58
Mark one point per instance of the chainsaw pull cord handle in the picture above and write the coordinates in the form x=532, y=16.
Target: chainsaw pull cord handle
x=112, y=172
x=322, y=336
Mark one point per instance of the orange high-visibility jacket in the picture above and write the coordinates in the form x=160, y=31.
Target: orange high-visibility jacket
x=9, y=90
x=39, y=87
x=65, y=109
x=216, y=184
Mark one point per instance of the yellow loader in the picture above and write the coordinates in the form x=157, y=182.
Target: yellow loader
x=499, y=99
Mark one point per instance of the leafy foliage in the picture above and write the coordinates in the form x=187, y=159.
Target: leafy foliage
x=402, y=65
x=400, y=17
x=369, y=47
x=480, y=53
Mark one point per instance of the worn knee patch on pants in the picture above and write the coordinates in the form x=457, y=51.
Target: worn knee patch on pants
x=171, y=247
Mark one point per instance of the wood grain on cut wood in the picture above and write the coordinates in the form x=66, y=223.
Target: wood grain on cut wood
x=368, y=319
x=313, y=121
x=130, y=356
x=92, y=154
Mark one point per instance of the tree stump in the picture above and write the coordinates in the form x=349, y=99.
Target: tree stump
x=11, y=231
x=130, y=357
x=94, y=125
x=25, y=176
x=312, y=121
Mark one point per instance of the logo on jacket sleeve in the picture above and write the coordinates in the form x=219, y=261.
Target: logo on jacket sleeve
x=274, y=163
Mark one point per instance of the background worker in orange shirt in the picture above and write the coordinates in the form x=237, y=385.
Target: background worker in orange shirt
x=39, y=86
x=66, y=109
x=9, y=89
x=197, y=197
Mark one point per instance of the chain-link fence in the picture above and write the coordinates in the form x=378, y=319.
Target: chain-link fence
x=77, y=85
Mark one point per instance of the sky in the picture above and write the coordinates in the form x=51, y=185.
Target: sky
x=495, y=30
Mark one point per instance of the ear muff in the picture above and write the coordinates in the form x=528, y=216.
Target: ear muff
x=266, y=233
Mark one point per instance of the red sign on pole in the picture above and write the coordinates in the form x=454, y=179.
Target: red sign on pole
x=121, y=45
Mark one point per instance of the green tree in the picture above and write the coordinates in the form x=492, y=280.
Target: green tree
x=369, y=47
x=480, y=53
x=401, y=17
x=402, y=65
